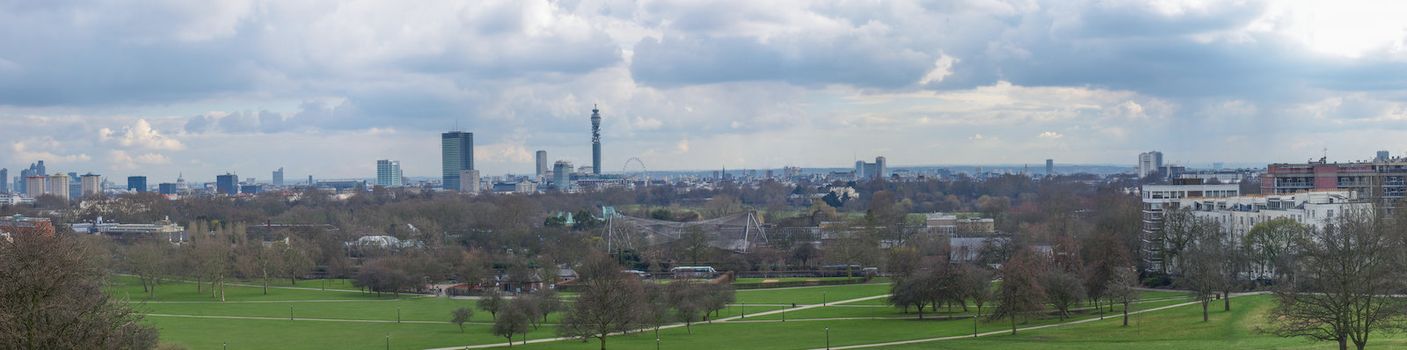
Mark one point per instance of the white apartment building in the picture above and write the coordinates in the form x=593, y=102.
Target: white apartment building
x=1237, y=215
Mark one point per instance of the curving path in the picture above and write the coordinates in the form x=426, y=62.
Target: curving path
x=1008, y=331
x=675, y=325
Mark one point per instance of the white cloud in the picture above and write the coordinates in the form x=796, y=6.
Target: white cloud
x=942, y=68
x=47, y=150
x=141, y=135
x=1050, y=135
x=642, y=123
x=502, y=152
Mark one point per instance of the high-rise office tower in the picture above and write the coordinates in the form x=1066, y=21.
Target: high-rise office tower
x=1150, y=163
x=75, y=185
x=137, y=183
x=456, y=154
x=871, y=171
x=227, y=184
x=1383, y=156
x=1050, y=167
x=541, y=163
x=278, y=177
x=310, y=181
x=881, y=166
x=4, y=180
x=595, y=140
x=469, y=181
x=388, y=173
x=168, y=188
x=91, y=184
x=22, y=183
x=562, y=175
x=59, y=185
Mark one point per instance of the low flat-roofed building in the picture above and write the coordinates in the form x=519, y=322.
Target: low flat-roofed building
x=159, y=230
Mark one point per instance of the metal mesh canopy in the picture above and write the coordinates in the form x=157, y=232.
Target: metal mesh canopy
x=736, y=232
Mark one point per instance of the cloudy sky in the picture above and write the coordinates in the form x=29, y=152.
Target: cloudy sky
x=327, y=87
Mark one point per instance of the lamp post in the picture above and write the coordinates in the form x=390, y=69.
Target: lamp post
x=290, y=313
x=974, y=326
x=744, y=311
x=828, y=338
x=823, y=298
x=398, y=314
x=388, y=342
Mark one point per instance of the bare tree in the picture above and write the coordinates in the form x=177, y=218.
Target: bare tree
x=1202, y=263
x=545, y=301
x=469, y=268
x=655, y=310
x=687, y=300
x=383, y=275
x=913, y=290
x=1063, y=289
x=52, y=297
x=608, y=301
x=148, y=260
x=976, y=285
x=257, y=261
x=293, y=260
x=213, y=255
x=459, y=316
x=1179, y=231
x=491, y=301
x=1021, y=291
x=1270, y=244
x=716, y=297
x=515, y=320
x=1123, y=288
x=693, y=243
x=1107, y=255
x=804, y=252
x=1349, y=276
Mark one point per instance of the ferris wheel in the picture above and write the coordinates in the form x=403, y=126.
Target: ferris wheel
x=636, y=173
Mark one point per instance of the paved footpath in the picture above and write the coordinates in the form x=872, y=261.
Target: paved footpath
x=1008, y=331
x=676, y=325
x=266, y=318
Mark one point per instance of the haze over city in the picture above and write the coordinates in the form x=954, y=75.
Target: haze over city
x=327, y=88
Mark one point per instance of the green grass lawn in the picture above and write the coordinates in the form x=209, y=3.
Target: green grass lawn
x=173, y=290
x=761, y=280
x=810, y=295
x=264, y=334
x=1176, y=328
x=358, y=320
x=1179, y=328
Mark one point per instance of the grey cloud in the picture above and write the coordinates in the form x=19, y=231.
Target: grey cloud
x=853, y=60
x=1120, y=19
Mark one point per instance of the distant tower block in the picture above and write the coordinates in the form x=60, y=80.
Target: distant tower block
x=595, y=140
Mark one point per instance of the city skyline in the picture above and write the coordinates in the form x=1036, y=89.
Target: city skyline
x=748, y=85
